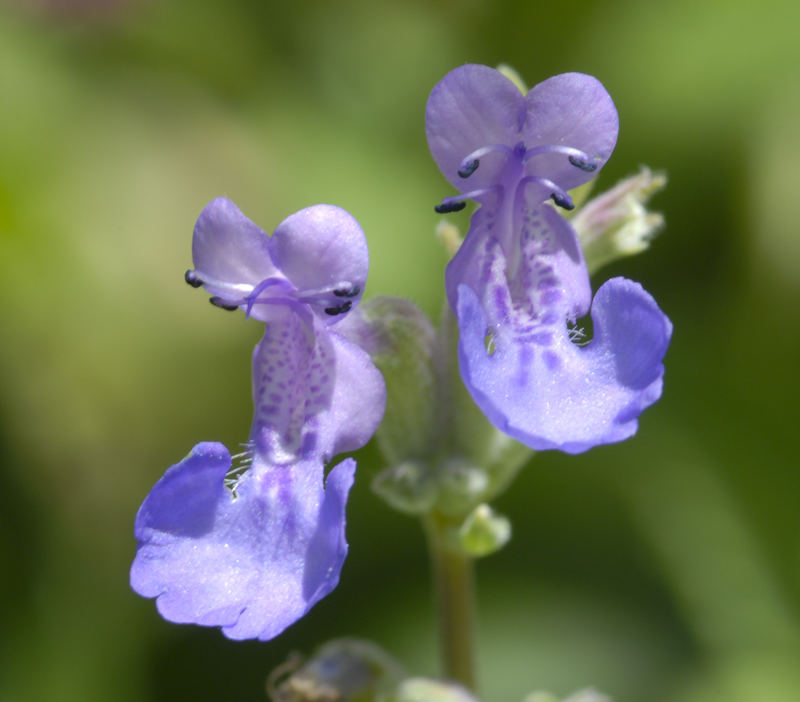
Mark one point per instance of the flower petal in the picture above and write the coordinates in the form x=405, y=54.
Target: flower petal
x=550, y=393
x=472, y=107
x=358, y=402
x=322, y=248
x=575, y=110
x=542, y=274
x=315, y=393
x=252, y=565
x=228, y=248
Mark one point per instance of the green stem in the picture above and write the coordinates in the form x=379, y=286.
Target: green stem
x=453, y=576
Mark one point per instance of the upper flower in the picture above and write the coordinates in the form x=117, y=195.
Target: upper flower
x=250, y=543
x=519, y=282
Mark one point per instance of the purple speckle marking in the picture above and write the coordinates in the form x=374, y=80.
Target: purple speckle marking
x=551, y=360
x=550, y=297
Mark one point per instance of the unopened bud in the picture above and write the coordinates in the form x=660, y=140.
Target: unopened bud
x=407, y=487
x=429, y=690
x=484, y=532
x=460, y=486
x=616, y=223
x=343, y=669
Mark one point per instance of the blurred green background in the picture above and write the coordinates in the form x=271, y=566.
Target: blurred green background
x=664, y=569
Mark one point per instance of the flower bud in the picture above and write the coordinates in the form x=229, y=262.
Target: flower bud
x=484, y=531
x=429, y=690
x=408, y=487
x=616, y=223
x=460, y=484
x=342, y=669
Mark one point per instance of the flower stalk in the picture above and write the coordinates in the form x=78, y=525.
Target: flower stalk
x=454, y=585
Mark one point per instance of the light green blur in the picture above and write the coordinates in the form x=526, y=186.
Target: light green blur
x=665, y=569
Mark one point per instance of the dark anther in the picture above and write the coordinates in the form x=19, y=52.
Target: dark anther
x=564, y=202
x=347, y=292
x=446, y=207
x=469, y=169
x=339, y=309
x=219, y=302
x=193, y=279
x=583, y=165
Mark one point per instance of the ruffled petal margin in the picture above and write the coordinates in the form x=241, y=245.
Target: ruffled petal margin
x=252, y=564
x=557, y=395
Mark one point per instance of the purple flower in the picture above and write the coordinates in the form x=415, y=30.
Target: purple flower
x=519, y=282
x=251, y=543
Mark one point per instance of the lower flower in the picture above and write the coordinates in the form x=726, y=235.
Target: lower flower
x=250, y=543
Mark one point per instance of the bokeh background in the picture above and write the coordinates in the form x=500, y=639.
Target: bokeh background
x=664, y=569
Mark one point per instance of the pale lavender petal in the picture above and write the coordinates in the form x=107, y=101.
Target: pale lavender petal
x=292, y=378
x=472, y=107
x=252, y=564
x=574, y=110
x=358, y=402
x=229, y=250
x=315, y=393
x=322, y=248
x=536, y=272
x=552, y=394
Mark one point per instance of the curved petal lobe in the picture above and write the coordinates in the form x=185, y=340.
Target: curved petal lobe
x=552, y=394
x=227, y=247
x=575, y=110
x=473, y=106
x=252, y=565
x=322, y=248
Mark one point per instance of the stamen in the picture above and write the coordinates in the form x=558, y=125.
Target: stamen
x=456, y=202
x=564, y=201
x=447, y=207
x=469, y=169
x=559, y=196
x=575, y=156
x=347, y=292
x=224, y=304
x=469, y=164
x=339, y=309
x=583, y=165
x=235, y=288
x=193, y=278
x=252, y=298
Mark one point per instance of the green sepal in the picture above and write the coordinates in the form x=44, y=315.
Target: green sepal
x=400, y=339
x=429, y=690
x=484, y=532
x=408, y=487
x=348, y=670
x=616, y=223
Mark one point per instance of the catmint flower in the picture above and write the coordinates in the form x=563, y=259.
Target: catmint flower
x=250, y=543
x=519, y=282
